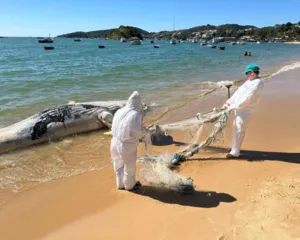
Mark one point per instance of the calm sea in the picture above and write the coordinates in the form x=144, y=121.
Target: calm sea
x=32, y=79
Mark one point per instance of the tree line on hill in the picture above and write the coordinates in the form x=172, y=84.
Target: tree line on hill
x=282, y=32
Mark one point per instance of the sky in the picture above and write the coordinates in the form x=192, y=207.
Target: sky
x=41, y=18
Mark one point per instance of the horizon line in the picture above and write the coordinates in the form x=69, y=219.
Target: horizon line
x=156, y=31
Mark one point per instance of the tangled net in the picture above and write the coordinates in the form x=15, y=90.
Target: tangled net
x=158, y=170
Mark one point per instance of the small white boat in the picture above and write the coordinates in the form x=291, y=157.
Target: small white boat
x=46, y=40
x=173, y=41
x=211, y=46
x=135, y=41
x=123, y=40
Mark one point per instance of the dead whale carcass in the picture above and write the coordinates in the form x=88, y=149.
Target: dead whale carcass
x=56, y=122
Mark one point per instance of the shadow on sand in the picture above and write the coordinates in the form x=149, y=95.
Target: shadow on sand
x=252, y=155
x=249, y=155
x=201, y=199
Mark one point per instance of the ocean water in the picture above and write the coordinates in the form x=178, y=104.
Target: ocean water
x=32, y=79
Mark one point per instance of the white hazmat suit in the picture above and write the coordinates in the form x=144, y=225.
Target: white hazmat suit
x=126, y=132
x=243, y=102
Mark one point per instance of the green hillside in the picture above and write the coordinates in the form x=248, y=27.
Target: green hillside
x=282, y=32
x=115, y=33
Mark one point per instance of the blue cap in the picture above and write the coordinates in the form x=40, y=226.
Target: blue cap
x=251, y=68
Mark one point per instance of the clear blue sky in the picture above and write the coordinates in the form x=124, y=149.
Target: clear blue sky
x=41, y=17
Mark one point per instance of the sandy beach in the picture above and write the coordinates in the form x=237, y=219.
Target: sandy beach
x=255, y=197
x=295, y=42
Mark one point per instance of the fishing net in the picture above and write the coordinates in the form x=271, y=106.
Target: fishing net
x=199, y=132
x=156, y=171
x=214, y=127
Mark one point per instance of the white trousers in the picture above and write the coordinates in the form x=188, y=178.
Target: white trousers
x=124, y=156
x=239, y=130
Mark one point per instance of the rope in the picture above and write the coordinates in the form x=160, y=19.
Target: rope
x=220, y=124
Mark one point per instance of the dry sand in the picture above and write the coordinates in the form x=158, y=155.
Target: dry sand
x=256, y=197
x=295, y=42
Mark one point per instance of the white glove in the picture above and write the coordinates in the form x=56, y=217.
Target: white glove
x=147, y=141
x=198, y=115
x=228, y=106
x=142, y=134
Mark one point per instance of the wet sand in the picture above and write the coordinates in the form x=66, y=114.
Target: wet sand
x=255, y=197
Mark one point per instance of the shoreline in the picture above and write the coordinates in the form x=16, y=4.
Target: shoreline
x=87, y=206
x=197, y=103
x=203, y=88
x=294, y=42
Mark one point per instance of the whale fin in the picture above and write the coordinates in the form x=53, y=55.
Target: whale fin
x=106, y=118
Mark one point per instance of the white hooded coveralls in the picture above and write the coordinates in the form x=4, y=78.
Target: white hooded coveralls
x=243, y=102
x=126, y=132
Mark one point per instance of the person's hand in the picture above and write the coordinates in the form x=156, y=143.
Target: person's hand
x=147, y=141
x=228, y=106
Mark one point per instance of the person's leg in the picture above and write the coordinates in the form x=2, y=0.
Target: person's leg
x=239, y=127
x=129, y=174
x=129, y=158
x=118, y=163
x=119, y=170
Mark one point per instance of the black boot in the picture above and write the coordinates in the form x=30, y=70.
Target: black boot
x=136, y=186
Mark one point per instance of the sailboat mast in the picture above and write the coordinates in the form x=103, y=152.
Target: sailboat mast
x=174, y=24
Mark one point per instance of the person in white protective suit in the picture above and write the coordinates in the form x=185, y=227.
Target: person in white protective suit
x=243, y=102
x=127, y=130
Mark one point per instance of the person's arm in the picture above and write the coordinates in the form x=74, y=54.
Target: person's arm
x=230, y=102
x=249, y=96
x=136, y=130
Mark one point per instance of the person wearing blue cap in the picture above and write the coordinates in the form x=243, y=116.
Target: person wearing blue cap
x=243, y=102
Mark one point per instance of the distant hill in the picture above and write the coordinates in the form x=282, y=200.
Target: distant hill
x=229, y=30
x=280, y=32
x=92, y=34
x=127, y=32
x=225, y=30
x=114, y=33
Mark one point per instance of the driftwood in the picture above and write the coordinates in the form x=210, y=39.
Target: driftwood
x=57, y=122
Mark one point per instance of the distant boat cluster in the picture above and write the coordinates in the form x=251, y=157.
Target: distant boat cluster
x=132, y=41
x=136, y=41
x=51, y=40
x=46, y=40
